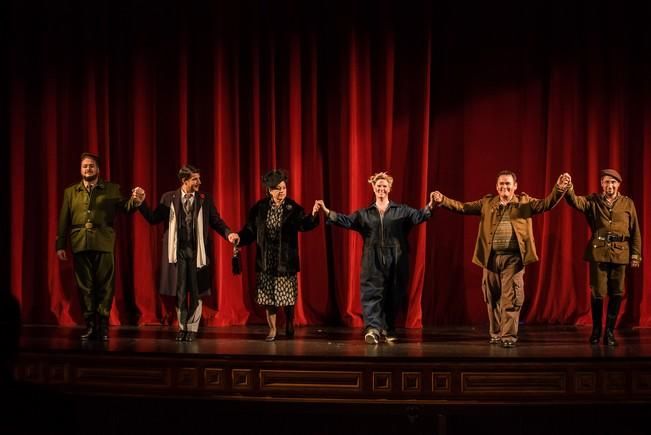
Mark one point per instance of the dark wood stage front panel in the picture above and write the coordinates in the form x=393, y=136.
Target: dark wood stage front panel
x=450, y=367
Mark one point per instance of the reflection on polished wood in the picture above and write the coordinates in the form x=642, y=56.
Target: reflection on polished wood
x=551, y=365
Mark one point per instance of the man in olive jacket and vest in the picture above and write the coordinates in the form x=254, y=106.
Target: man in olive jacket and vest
x=505, y=245
x=616, y=241
x=185, y=267
x=87, y=215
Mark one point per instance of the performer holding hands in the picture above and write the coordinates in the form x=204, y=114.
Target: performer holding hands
x=384, y=226
x=273, y=223
x=505, y=245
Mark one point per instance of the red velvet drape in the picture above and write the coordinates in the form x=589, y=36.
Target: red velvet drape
x=441, y=95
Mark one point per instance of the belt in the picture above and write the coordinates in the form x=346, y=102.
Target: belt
x=611, y=237
x=89, y=226
x=505, y=252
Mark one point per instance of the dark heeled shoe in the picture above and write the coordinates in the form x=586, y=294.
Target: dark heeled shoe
x=595, y=336
x=271, y=336
x=289, y=330
x=609, y=338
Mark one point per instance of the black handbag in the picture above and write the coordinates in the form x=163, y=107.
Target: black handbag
x=236, y=266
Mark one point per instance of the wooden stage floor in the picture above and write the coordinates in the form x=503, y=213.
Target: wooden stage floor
x=446, y=374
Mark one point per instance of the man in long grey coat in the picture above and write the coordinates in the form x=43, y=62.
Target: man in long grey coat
x=185, y=266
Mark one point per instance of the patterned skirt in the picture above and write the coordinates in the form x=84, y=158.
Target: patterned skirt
x=277, y=291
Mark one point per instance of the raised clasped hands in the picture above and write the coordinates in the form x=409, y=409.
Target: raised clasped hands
x=564, y=181
x=234, y=238
x=320, y=205
x=436, y=197
x=138, y=195
x=431, y=202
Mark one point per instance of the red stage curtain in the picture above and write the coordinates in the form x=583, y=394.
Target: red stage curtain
x=441, y=95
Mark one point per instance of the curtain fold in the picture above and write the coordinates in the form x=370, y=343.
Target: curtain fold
x=441, y=96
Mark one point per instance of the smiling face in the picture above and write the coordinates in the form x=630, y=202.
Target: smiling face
x=278, y=192
x=89, y=170
x=506, y=187
x=191, y=185
x=610, y=186
x=381, y=188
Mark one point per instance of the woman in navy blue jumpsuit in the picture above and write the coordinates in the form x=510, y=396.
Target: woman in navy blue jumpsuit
x=384, y=226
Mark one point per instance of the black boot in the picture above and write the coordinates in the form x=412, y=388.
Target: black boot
x=611, y=317
x=289, y=319
x=597, y=316
x=91, y=329
x=103, y=328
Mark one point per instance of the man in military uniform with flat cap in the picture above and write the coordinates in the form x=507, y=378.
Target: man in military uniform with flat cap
x=87, y=215
x=616, y=241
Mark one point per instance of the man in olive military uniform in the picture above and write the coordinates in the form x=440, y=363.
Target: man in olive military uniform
x=87, y=215
x=616, y=241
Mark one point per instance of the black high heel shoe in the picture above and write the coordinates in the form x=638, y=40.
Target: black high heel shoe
x=289, y=330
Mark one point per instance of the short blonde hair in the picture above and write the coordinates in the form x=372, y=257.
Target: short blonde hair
x=380, y=176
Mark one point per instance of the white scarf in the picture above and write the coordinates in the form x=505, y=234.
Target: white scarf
x=172, y=239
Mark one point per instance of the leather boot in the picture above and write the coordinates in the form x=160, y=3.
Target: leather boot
x=289, y=319
x=597, y=316
x=103, y=328
x=91, y=329
x=611, y=318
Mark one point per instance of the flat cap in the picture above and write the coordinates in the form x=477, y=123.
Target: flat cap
x=89, y=155
x=612, y=173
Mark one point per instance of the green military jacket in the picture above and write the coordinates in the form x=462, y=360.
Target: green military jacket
x=88, y=218
x=620, y=221
x=522, y=208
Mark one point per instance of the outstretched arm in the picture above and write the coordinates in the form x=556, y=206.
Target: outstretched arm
x=470, y=208
x=216, y=222
x=307, y=222
x=581, y=203
x=248, y=233
x=350, y=222
x=161, y=214
x=563, y=183
x=419, y=216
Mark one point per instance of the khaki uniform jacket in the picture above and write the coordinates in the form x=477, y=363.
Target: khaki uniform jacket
x=89, y=218
x=620, y=220
x=523, y=207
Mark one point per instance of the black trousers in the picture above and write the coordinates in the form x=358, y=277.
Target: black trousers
x=187, y=288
